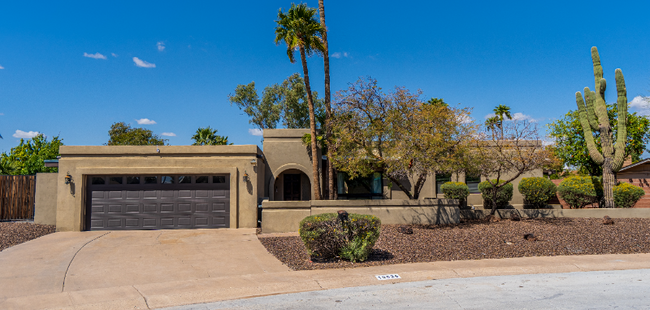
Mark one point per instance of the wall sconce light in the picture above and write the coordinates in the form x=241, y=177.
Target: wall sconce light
x=245, y=178
x=254, y=162
x=68, y=179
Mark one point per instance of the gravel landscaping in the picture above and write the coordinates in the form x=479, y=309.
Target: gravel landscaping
x=481, y=240
x=12, y=233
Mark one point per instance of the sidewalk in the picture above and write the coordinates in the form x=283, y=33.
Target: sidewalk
x=278, y=280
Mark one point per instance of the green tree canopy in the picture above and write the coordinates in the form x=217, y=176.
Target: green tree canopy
x=571, y=148
x=397, y=133
x=123, y=134
x=284, y=103
x=28, y=157
x=208, y=136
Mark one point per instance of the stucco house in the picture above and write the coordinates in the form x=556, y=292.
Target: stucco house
x=172, y=187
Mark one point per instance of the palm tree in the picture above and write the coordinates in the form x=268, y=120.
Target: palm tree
x=501, y=111
x=328, y=107
x=208, y=136
x=300, y=30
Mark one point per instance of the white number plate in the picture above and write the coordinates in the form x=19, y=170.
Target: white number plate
x=388, y=277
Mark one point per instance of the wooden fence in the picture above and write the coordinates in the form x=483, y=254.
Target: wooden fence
x=17, y=193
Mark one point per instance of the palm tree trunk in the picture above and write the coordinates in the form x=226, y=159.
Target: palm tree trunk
x=328, y=107
x=312, y=127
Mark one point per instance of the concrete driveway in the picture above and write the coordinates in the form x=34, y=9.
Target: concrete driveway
x=116, y=263
x=155, y=269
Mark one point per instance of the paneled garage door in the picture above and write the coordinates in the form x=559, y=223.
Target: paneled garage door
x=158, y=202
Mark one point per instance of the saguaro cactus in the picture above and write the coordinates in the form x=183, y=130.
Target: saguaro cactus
x=593, y=116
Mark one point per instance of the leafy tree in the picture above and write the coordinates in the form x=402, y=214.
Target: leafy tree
x=122, y=134
x=28, y=157
x=300, y=30
x=571, y=148
x=208, y=136
x=501, y=112
x=397, y=134
x=328, y=106
x=285, y=102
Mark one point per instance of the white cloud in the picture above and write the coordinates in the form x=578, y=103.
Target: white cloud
x=168, y=134
x=95, y=56
x=161, y=46
x=639, y=102
x=490, y=115
x=113, y=54
x=145, y=121
x=1, y=67
x=339, y=55
x=25, y=134
x=143, y=64
x=2, y=114
x=255, y=131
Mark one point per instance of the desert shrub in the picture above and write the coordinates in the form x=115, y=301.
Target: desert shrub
x=580, y=191
x=455, y=190
x=537, y=191
x=504, y=194
x=626, y=195
x=326, y=236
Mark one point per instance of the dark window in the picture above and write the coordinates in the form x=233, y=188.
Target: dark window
x=98, y=180
x=218, y=179
x=202, y=179
x=441, y=179
x=151, y=180
x=167, y=179
x=132, y=180
x=472, y=182
x=369, y=187
x=115, y=180
x=184, y=179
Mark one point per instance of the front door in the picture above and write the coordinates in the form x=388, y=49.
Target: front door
x=291, y=187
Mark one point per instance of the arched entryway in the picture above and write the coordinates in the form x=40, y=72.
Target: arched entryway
x=291, y=183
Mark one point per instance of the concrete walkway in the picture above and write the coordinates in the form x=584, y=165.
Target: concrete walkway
x=154, y=269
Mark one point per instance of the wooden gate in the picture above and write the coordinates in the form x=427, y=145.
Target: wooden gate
x=17, y=194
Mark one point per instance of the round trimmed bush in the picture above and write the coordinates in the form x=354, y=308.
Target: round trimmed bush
x=326, y=236
x=626, y=195
x=579, y=191
x=455, y=190
x=537, y=191
x=504, y=194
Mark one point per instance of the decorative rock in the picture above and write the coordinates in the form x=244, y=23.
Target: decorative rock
x=608, y=220
x=407, y=230
x=530, y=237
x=515, y=217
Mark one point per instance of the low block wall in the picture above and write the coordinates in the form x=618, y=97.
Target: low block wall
x=555, y=213
x=45, y=200
x=285, y=216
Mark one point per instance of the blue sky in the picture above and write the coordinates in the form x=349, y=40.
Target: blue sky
x=530, y=55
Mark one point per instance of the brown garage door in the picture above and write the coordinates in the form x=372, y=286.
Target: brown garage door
x=158, y=202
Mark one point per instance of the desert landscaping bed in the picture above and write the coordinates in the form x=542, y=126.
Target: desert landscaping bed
x=13, y=233
x=482, y=240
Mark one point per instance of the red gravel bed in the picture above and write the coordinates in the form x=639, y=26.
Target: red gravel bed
x=481, y=240
x=17, y=233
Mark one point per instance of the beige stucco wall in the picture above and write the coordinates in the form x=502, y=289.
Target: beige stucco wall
x=45, y=202
x=283, y=150
x=81, y=161
x=284, y=216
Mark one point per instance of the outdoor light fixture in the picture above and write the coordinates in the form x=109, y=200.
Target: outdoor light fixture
x=68, y=179
x=254, y=162
x=245, y=178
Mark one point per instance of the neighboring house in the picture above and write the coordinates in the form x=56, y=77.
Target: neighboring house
x=167, y=187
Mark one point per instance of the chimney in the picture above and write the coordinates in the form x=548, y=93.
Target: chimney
x=628, y=161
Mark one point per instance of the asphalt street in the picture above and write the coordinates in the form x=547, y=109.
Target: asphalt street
x=624, y=289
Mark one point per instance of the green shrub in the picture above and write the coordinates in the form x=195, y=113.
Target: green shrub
x=504, y=194
x=537, y=191
x=580, y=191
x=626, y=195
x=325, y=236
x=455, y=190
